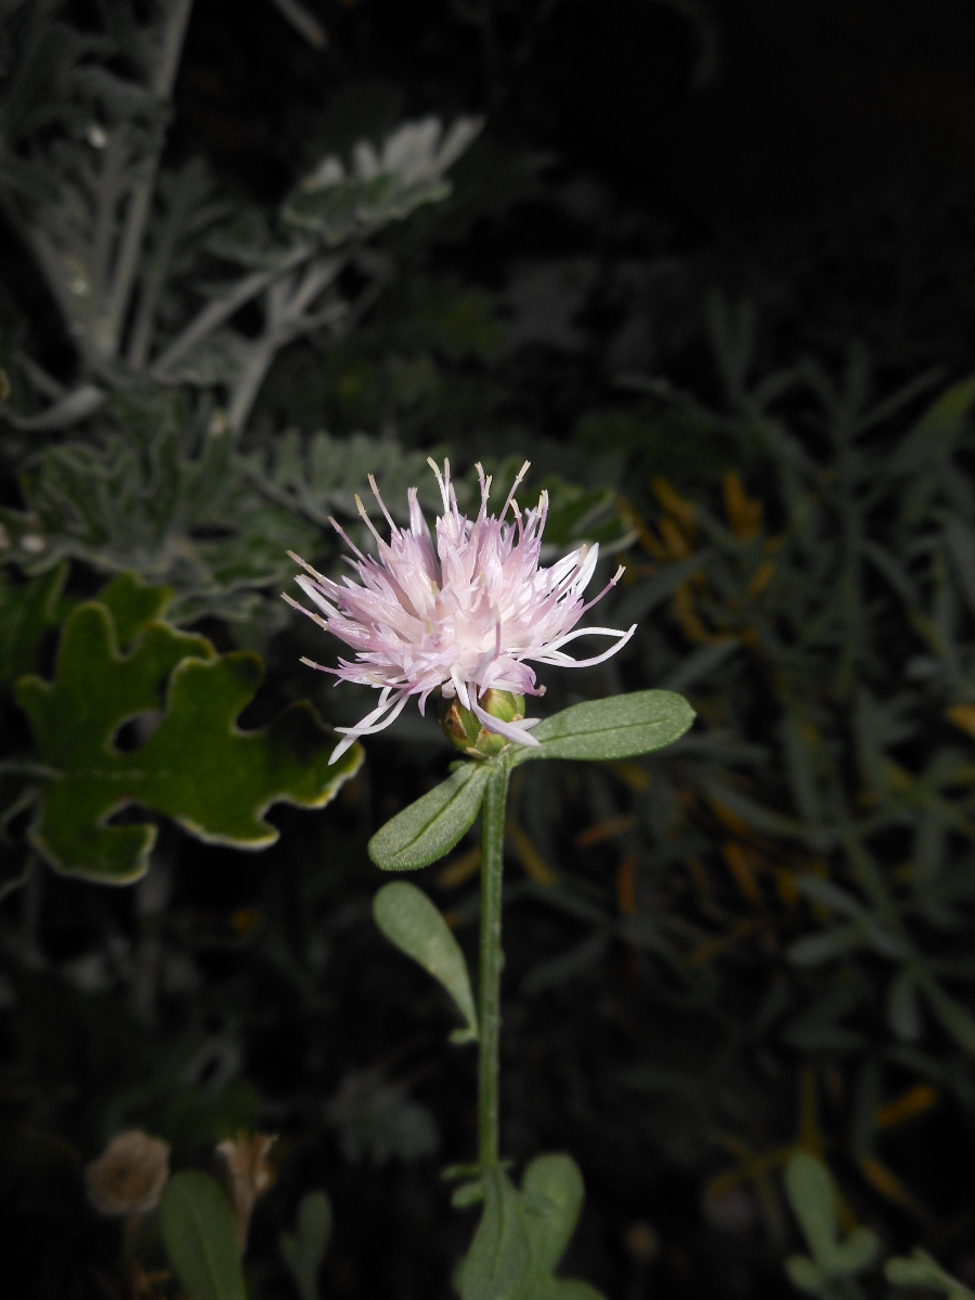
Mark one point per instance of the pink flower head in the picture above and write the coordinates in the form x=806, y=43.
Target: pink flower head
x=463, y=611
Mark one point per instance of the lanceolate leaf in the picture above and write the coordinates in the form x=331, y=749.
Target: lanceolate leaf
x=200, y=1234
x=194, y=764
x=431, y=826
x=619, y=727
x=408, y=918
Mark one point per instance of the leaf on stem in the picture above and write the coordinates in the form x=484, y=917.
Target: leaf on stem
x=622, y=726
x=409, y=920
x=522, y=1235
x=498, y=1261
x=431, y=826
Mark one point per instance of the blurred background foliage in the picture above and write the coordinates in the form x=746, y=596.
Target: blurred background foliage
x=709, y=265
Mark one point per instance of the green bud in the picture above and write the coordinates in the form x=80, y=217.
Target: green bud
x=469, y=735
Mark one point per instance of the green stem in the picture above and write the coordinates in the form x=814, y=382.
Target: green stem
x=140, y=202
x=492, y=959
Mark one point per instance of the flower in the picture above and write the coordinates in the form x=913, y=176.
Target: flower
x=129, y=1175
x=463, y=611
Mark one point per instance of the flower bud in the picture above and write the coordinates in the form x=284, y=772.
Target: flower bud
x=468, y=734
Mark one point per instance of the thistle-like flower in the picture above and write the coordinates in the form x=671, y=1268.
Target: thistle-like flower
x=464, y=610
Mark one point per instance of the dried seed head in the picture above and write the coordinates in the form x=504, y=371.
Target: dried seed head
x=130, y=1174
x=251, y=1174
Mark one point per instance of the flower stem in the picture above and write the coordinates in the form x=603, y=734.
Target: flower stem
x=115, y=310
x=492, y=959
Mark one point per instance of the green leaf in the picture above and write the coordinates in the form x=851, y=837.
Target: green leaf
x=409, y=920
x=622, y=726
x=920, y=1270
x=196, y=767
x=304, y=1249
x=754, y=814
x=133, y=605
x=805, y=1275
x=935, y=435
x=522, y=1235
x=552, y=1193
x=813, y=1199
x=826, y=945
x=166, y=497
x=406, y=172
x=200, y=1234
x=431, y=826
x=499, y=1258
x=319, y=476
x=858, y=1251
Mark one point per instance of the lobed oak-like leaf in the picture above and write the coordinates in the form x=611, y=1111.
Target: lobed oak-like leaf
x=194, y=764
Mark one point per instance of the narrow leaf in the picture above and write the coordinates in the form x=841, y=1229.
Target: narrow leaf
x=200, y=1234
x=754, y=814
x=826, y=945
x=920, y=1270
x=622, y=726
x=813, y=1200
x=431, y=826
x=409, y=920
